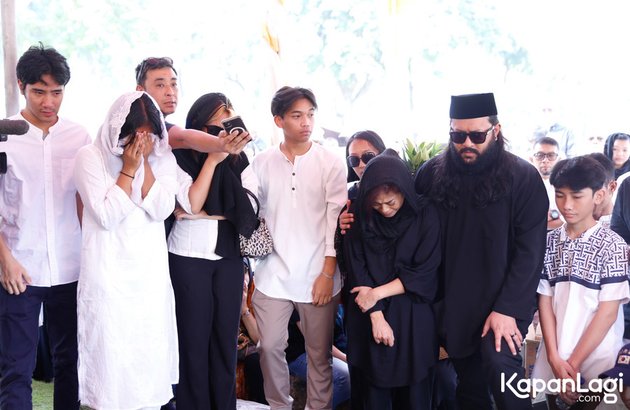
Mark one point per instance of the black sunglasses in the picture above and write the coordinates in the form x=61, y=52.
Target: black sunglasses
x=213, y=129
x=354, y=160
x=476, y=137
x=150, y=64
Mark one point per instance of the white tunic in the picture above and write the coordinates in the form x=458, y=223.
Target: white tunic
x=300, y=202
x=127, y=335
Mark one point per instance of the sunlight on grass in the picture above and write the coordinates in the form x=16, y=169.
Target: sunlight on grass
x=43, y=396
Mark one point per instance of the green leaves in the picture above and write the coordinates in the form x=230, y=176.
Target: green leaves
x=415, y=155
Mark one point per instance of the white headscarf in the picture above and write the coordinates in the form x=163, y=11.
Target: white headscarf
x=107, y=142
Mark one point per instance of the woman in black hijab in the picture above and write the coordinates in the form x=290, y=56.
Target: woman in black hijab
x=392, y=258
x=617, y=149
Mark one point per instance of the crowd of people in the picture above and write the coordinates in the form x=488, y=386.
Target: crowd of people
x=129, y=242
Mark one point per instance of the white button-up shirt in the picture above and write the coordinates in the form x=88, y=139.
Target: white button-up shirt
x=38, y=211
x=300, y=202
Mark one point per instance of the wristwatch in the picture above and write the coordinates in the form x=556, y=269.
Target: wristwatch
x=554, y=214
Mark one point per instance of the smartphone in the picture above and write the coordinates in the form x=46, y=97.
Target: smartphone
x=234, y=124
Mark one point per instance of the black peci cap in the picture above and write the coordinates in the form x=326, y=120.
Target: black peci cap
x=472, y=106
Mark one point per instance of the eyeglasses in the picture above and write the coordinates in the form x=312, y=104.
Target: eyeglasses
x=476, y=137
x=551, y=156
x=354, y=160
x=150, y=64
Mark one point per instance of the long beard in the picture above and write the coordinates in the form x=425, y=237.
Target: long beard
x=483, y=162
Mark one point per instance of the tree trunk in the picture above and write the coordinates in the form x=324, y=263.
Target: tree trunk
x=9, y=47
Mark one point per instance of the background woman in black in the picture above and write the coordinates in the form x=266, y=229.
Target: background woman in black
x=358, y=145
x=617, y=149
x=392, y=254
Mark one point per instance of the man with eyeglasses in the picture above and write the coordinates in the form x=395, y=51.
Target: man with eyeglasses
x=158, y=78
x=544, y=156
x=493, y=207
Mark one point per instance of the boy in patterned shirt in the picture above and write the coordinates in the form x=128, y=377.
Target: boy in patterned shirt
x=583, y=283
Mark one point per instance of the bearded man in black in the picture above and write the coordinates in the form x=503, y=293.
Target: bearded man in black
x=493, y=214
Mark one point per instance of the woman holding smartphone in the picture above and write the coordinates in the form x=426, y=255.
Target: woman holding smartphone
x=205, y=262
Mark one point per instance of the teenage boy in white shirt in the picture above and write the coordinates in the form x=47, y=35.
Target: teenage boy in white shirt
x=583, y=284
x=40, y=235
x=302, y=189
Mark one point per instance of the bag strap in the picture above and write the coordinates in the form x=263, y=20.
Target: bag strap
x=250, y=193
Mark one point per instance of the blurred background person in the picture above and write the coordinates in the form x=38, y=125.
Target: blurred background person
x=617, y=149
x=361, y=147
x=545, y=155
x=549, y=126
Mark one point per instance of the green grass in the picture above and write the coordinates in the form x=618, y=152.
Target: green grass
x=43, y=396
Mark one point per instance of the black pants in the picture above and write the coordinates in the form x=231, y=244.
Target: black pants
x=254, y=379
x=366, y=396
x=444, y=385
x=19, y=316
x=479, y=376
x=208, y=307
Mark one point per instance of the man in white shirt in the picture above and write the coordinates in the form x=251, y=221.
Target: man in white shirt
x=546, y=153
x=302, y=189
x=40, y=235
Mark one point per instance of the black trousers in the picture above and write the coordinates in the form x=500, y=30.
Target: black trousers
x=19, y=329
x=366, y=396
x=479, y=376
x=208, y=308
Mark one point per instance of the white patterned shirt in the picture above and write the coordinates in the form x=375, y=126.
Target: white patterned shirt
x=578, y=274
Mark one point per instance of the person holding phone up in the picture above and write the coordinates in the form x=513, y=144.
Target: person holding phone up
x=205, y=261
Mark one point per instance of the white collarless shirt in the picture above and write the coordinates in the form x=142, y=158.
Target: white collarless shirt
x=300, y=202
x=38, y=212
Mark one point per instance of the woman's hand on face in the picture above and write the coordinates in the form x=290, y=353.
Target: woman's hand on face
x=148, y=143
x=132, y=155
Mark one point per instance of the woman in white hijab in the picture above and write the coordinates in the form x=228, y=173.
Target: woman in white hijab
x=126, y=326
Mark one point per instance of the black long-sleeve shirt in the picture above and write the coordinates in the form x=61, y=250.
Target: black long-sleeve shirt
x=491, y=256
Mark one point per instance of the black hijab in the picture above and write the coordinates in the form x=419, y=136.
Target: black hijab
x=227, y=196
x=608, y=150
x=379, y=232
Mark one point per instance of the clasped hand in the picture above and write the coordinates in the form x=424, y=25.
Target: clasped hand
x=366, y=297
x=381, y=330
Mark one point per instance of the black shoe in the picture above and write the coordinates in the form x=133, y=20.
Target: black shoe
x=169, y=406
